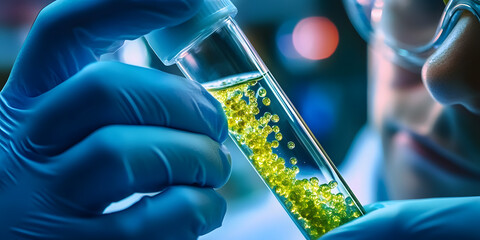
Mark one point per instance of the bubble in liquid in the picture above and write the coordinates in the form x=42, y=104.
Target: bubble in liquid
x=267, y=115
x=314, y=180
x=250, y=93
x=275, y=118
x=263, y=120
x=266, y=101
x=332, y=184
x=291, y=145
x=276, y=129
x=262, y=92
x=267, y=129
x=278, y=136
x=349, y=201
x=293, y=160
x=275, y=144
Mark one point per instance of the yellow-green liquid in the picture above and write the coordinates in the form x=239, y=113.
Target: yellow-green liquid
x=317, y=207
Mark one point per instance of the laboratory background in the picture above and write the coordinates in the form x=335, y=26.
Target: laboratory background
x=326, y=83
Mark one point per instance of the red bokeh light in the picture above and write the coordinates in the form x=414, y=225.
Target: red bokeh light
x=315, y=38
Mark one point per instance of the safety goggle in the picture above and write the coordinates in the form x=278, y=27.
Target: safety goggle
x=412, y=29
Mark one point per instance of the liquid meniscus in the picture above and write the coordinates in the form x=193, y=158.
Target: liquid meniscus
x=262, y=132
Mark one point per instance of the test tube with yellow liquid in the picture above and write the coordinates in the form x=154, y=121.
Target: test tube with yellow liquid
x=211, y=49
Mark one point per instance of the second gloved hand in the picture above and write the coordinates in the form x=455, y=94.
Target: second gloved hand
x=77, y=134
x=437, y=218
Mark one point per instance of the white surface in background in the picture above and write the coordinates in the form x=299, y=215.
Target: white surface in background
x=134, y=53
x=260, y=217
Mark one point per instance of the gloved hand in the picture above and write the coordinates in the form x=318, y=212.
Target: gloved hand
x=77, y=134
x=437, y=218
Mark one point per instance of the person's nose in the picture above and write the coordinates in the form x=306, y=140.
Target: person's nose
x=452, y=73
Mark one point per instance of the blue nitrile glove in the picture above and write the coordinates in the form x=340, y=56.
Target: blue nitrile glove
x=436, y=218
x=77, y=135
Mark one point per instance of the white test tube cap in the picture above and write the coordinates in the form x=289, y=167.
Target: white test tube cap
x=169, y=43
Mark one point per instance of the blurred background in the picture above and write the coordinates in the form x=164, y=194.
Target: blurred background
x=327, y=85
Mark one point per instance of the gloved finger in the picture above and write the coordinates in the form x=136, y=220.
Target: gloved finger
x=379, y=205
x=108, y=93
x=178, y=213
x=373, y=225
x=117, y=161
x=67, y=35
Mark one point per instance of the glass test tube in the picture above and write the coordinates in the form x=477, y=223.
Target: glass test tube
x=269, y=131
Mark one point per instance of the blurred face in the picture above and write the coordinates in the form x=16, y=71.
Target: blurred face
x=17, y=13
x=429, y=118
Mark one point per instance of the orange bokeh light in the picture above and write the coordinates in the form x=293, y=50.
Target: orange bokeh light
x=315, y=38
